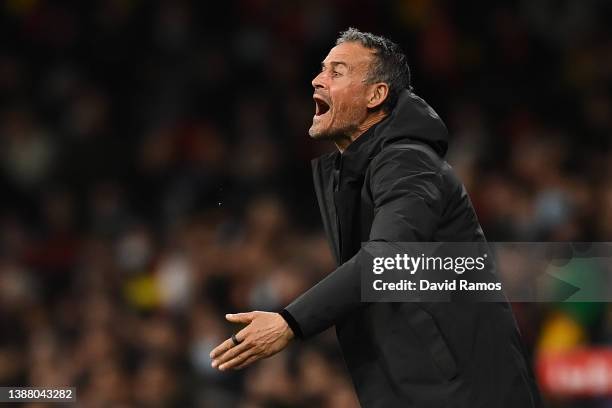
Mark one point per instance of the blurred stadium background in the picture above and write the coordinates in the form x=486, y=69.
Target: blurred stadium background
x=155, y=175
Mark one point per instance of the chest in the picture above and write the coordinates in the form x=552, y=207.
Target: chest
x=346, y=207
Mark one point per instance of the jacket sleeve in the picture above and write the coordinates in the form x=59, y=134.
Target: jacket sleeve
x=406, y=191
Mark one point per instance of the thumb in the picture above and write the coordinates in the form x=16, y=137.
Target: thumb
x=240, y=317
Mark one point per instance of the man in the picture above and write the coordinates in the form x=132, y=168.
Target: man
x=388, y=182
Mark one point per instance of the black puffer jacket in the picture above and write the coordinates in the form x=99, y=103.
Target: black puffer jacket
x=408, y=354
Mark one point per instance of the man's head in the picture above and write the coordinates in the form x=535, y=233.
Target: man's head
x=359, y=83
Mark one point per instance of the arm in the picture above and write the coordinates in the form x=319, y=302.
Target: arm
x=405, y=187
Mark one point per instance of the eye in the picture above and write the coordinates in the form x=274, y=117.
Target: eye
x=336, y=73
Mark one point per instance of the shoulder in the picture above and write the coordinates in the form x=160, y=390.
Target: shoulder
x=407, y=157
x=402, y=171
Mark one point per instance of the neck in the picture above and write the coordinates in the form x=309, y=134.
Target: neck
x=342, y=143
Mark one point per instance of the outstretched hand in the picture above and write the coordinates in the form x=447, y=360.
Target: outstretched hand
x=266, y=334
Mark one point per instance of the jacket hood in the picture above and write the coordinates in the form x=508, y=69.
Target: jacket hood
x=413, y=119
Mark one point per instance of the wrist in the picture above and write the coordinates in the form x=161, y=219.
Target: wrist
x=287, y=330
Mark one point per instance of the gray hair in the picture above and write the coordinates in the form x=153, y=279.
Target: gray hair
x=390, y=64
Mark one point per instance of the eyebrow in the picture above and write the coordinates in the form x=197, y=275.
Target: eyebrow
x=334, y=64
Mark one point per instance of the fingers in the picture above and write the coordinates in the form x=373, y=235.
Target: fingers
x=240, y=359
x=231, y=353
x=240, y=317
x=228, y=345
x=221, y=348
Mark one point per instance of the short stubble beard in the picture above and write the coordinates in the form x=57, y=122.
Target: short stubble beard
x=343, y=131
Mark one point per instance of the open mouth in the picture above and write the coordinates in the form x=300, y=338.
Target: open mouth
x=321, y=107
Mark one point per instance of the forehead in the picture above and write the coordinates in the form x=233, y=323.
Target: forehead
x=352, y=54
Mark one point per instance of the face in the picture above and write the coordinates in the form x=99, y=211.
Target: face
x=340, y=92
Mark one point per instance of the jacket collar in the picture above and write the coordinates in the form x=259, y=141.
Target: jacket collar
x=412, y=120
x=357, y=156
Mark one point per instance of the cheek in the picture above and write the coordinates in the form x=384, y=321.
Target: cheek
x=349, y=105
x=350, y=108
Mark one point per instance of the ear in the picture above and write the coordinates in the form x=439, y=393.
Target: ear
x=378, y=94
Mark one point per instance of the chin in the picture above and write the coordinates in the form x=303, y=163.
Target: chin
x=316, y=133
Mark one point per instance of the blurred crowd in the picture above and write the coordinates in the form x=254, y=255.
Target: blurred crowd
x=155, y=175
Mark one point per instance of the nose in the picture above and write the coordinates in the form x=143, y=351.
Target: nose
x=317, y=82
